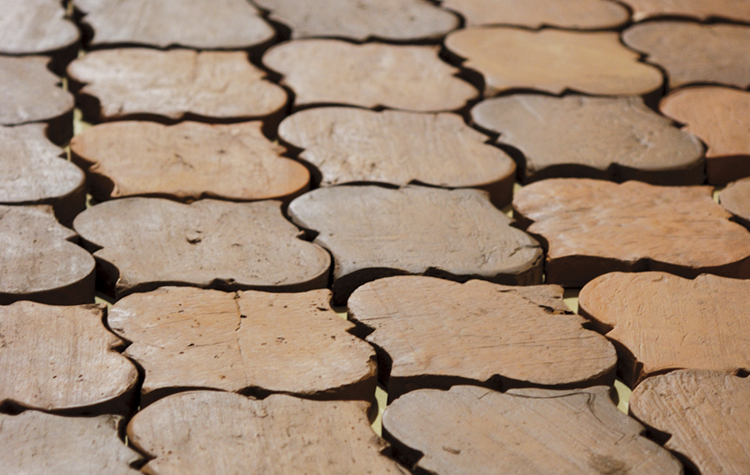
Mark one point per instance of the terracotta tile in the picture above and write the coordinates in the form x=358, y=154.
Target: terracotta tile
x=553, y=61
x=578, y=136
x=250, y=341
x=204, y=431
x=393, y=20
x=705, y=412
x=145, y=243
x=437, y=333
x=63, y=360
x=531, y=431
x=592, y=227
x=322, y=72
x=353, y=145
x=375, y=232
x=720, y=116
x=186, y=161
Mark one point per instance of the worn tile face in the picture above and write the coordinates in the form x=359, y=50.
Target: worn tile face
x=436, y=331
x=202, y=432
x=553, y=61
x=354, y=145
x=264, y=342
x=34, y=171
x=705, y=412
x=607, y=138
x=374, y=232
x=150, y=242
x=200, y=24
x=63, y=359
x=187, y=161
x=663, y=321
x=393, y=20
x=39, y=262
x=29, y=92
x=324, y=72
x=35, y=27
x=572, y=14
x=735, y=198
x=720, y=116
x=36, y=443
x=718, y=52
x=173, y=85
x=698, y=9
x=593, y=227
x=535, y=431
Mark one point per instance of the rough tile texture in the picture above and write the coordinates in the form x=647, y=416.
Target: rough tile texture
x=436, y=333
x=660, y=321
x=173, y=85
x=148, y=242
x=700, y=9
x=392, y=20
x=200, y=24
x=608, y=138
x=186, y=161
x=705, y=412
x=29, y=92
x=591, y=227
x=573, y=14
x=354, y=145
x=374, y=232
x=34, y=443
x=718, y=53
x=39, y=261
x=553, y=61
x=35, y=27
x=369, y=75
x=531, y=431
x=735, y=198
x=214, y=432
x=63, y=359
x=720, y=116
x=262, y=342
x=34, y=171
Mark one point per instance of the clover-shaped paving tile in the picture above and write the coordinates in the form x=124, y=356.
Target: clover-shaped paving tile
x=553, y=61
x=292, y=343
x=203, y=432
x=574, y=14
x=436, y=332
x=202, y=24
x=718, y=52
x=355, y=145
x=33, y=171
x=29, y=92
x=613, y=138
x=699, y=9
x=34, y=27
x=394, y=20
x=530, y=431
x=35, y=443
x=706, y=413
x=149, y=242
x=660, y=321
x=189, y=160
x=720, y=116
x=39, y=262
x=369, y=75
x=374, y=232
x=735, y=198
x=173, y=85
x=591, y=227
x=63, y=359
